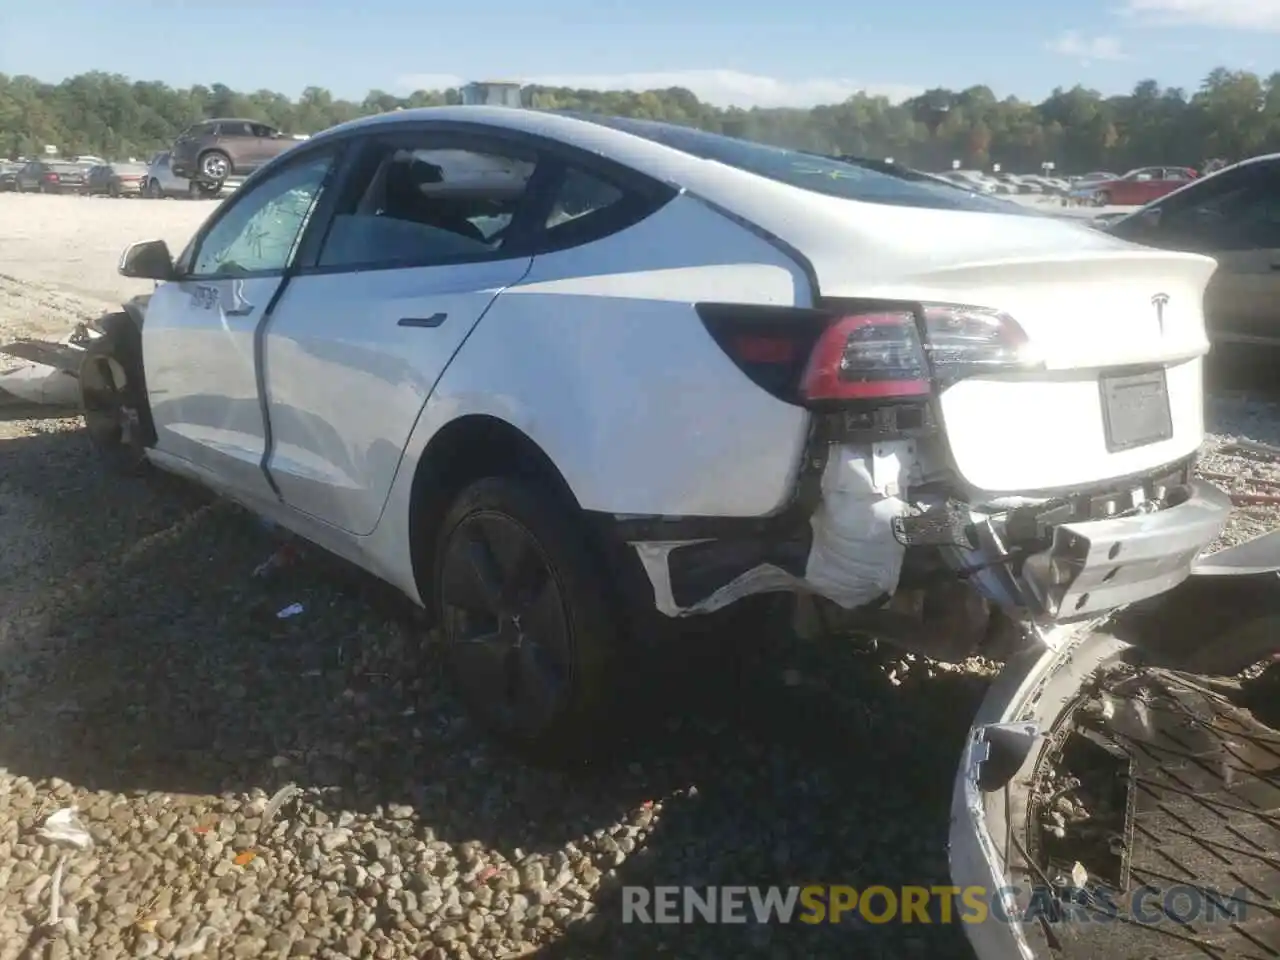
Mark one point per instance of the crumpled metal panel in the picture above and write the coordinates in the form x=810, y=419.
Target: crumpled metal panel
x=853, y=555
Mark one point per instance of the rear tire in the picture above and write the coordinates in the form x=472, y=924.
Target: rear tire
x=524, y=615
x=113, y=397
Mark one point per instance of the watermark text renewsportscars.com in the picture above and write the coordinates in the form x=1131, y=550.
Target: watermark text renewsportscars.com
x=818, y=904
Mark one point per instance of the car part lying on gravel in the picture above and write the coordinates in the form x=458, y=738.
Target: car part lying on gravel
x=48, y=371
x=1116, y=797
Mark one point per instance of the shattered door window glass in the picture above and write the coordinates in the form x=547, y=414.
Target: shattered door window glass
x=258, y=234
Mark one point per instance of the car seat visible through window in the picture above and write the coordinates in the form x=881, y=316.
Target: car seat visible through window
x=405, y=199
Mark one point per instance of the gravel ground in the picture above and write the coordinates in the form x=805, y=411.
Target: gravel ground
x=146, y=680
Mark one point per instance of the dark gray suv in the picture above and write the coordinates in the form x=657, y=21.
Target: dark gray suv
x=209, y=152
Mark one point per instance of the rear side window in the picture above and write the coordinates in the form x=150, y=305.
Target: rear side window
x=586, y=207
x=818, y=174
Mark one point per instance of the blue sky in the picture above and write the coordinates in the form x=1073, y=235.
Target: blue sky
x=745, y=52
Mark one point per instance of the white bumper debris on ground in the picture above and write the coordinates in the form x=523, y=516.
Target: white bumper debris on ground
x=44, y=372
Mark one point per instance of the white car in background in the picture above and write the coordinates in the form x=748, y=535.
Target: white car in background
x=563, y=379
x=161, y=181
x=1083, y=188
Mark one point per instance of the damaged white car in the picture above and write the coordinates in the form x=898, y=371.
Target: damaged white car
x=550, y=375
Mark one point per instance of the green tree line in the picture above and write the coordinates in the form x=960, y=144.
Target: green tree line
x=1234, y=114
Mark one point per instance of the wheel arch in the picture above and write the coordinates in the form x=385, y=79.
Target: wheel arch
x=464, y=450
x=136, y=309
x=121, y=344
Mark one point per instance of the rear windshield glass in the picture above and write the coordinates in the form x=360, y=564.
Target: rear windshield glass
x=68, y=167
x=834, y=178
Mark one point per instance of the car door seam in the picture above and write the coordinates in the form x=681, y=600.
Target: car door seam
x=260, y=376
x=436, y=382
x=291, y=269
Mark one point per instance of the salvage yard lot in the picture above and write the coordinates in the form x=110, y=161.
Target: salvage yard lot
x=146, y=679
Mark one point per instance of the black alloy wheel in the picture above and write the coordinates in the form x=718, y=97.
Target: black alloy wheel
x=506, y=623
x=523, y=614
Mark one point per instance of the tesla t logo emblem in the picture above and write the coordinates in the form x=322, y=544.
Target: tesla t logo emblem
x=1160, y=301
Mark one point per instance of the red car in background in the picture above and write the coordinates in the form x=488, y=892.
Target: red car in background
x=1141, y=186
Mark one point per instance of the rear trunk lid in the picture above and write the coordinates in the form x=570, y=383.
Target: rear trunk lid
x=1092, y=305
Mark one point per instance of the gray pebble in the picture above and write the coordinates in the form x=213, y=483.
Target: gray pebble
x=447, y=934
x=334, y=839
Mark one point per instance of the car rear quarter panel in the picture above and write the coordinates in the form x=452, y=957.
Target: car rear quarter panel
x=599, y=357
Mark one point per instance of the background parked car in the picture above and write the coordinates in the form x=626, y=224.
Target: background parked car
x=973, y=180
x=1234, y=217
x=52, y=176
x=212, y=151
x=1082, y=189
x=161, y=181
x=8, y=176
x=1141, y=186
x=116, y=179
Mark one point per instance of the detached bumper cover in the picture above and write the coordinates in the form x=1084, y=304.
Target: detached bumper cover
x=1006, y=737
x=1036, y=696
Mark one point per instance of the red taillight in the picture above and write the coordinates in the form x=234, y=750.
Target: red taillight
x=51, y=176
x=869, y=356
x=763, y=349
x=872, y=351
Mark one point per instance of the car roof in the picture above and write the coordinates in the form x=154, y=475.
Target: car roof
x=751, y=196
x=646, y=156
x=1196, y=182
